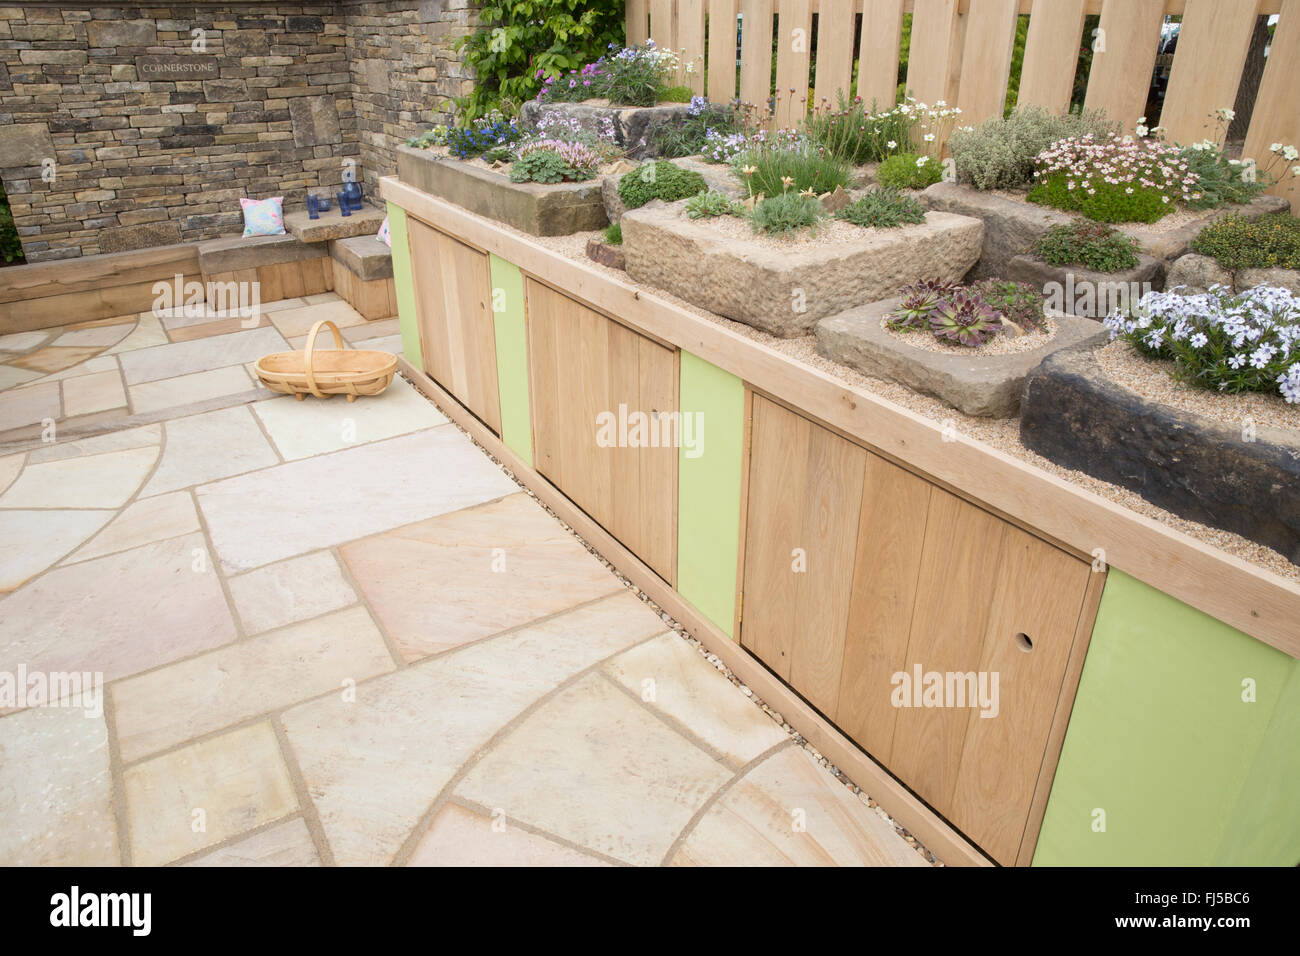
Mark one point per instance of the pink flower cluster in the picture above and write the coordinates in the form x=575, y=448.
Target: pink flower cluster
x=1123, y=163
x=581, y=157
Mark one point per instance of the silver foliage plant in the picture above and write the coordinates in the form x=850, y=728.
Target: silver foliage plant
x=1000, y=154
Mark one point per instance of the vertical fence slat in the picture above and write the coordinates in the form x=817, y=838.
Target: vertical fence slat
x=637, y=29
x=756, y=53
x=722, y=50
x=662, y=30
x=1276, y=118
x=932, y=55
x=835, y=23
x=1125, y=58
x=690, y=39
x=986, y=63
x=882, y=28
x=793, y=56
x=1212, y=48
x=1052, y=54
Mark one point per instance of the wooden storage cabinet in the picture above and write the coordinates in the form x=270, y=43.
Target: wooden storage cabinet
x=857, y=570
x=582, y=365
x=453, y=295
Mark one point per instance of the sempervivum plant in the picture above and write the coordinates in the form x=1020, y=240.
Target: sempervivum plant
x=919, y=300
x=965, y=319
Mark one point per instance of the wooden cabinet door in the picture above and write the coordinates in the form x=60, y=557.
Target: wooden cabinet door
x=584, y=366
x=799, y=549
x=901, y=577
x=453, y=294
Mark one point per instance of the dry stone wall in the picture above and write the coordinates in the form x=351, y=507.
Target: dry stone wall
x=127, y=127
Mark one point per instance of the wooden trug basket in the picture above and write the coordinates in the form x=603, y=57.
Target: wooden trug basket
x=337, y=371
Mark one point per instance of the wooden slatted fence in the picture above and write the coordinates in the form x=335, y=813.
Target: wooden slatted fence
x=961, y=53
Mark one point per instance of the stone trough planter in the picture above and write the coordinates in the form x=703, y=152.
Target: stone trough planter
x=1074, y=414
x=537, y=208
x=784, y=289
x=1196, y=273
x=1012, y=226
x=983, y=385
x=633, y=126
x=1089, y=295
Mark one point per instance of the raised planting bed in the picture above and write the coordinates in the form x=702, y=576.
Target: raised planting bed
x=1077, y=415
x=633, y=126
x=784, y=286
x=1075, y=290
x=1013, y=224
x=559, y=209
x=978, y=382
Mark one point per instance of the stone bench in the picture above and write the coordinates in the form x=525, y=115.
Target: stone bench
x=330, y=253
x=363, y=275
x=284, y=266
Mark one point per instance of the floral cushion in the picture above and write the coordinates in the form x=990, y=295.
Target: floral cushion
x=263, y=217
x=383, y=235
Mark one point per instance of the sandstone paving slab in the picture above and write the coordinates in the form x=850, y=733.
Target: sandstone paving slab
x=120, y=614
x=672, y=677
x=11, y=376
x=143, y=522
x=10, y=466
x=241, y=680
x=290, y=591
x=105, y=480
x=285, y=844
x=327, y=500
x=22, y=341
x=371, y=329
x=97, y=392
x=209, y=446
x=100, y=363
x=56, y=789
x=186, y=389
x=238, y=781
x=100, y=336
x=375, y=765
x=147, y=333
x=460, y=837
x=203, y=330
x=180, y=358
x=788, y=811
x=593, y=766
x=455, y=578
x=315, y=426
x=35, y=540
x=386, y=343
x=95, y=444
x=27, y=406
x=293, y=322
x=52, y=359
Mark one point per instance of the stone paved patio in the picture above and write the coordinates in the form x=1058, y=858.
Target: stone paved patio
x=338, y=633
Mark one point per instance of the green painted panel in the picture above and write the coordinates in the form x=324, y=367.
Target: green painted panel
x=404, y=284
x=708, y=489
x=1263, y=827
x=512, y=357
x=1161, y=740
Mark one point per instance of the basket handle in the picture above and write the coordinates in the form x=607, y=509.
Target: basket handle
x=311, y=347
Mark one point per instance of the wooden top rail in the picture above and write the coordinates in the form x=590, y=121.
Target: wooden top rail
x=1249, y=598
